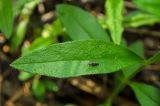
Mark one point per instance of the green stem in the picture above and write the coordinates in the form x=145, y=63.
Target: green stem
x=125, y=81
x=121, y=86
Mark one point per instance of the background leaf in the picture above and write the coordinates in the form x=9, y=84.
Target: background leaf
x=19, y=5
x=50, y=85
x=138, y=48
x=24, y=76
x=114, y=9
x=6, y=17
x=38, y=89
x=37, y=44
x=80, y=24
x=139, y=18
x=63, y=60
x=151, y=6
x=17, y=39
x=154, y=59
x=147, y=95
x=21, y=29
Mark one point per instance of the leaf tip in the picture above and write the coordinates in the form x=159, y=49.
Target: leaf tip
x=14, y=64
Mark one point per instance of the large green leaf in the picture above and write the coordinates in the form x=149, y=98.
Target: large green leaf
x=152, y=6
x=139, y=18
x=114, y=9
x=77, y=58
x=147, y=95
x=6, y=17
x=80, y=24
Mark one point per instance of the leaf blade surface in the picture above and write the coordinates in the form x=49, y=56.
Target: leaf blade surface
x=6, y=17
x=77, y=58
x=147, y=95
x=80, y=24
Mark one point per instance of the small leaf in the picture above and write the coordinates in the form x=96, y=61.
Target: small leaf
x=50, y=85
x=24, y=76
x=138, y=48
x=38, y=89
x=80, y=24
x=54, y=29
x=57, y=27
x=21, y=29
x=147, y=95
x=123, y=43
x=73, y=59
x=154, y=59
x=139, y=18
x=114, y=9
x=17, y=39
x=129, y=71
x=37, y=44
x=6, y=17
x=151, y=6
x=18, y=6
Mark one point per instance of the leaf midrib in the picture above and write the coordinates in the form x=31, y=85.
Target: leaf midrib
x=88, y=32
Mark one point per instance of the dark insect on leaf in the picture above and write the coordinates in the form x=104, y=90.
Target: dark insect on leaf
x=93, y=64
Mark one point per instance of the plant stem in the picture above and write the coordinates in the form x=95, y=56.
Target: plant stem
x=116, y=92
x=155, y=58
x=121, y=86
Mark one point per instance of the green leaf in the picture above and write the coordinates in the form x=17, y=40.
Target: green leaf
x=102, y=21
x=38, y=89
x=19, y=35
x=21, y=29
x=29, y=7
x=57, y=27
x=77, y=58
x=50, y=85
x=18, y=6
x=127, y=73
x=154, y=59
x=114, y=9
x=37, y=44
x=80, y=24
x=147, y=95
x=138, y=48
x=151, y=6
x=130, y=71
x=139, y=18
x=24, y=76
x=123, y=43
x=53, y=29
x=6, y=17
